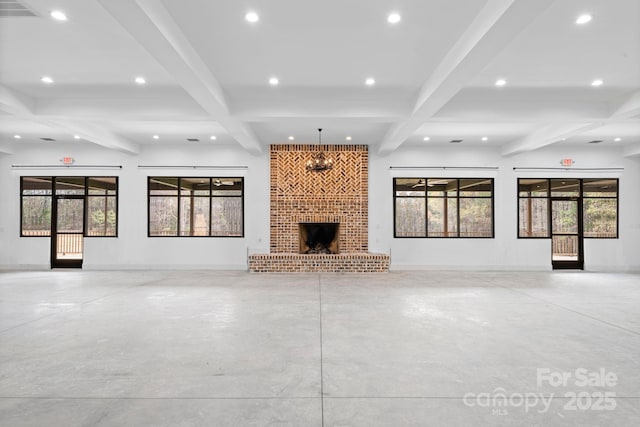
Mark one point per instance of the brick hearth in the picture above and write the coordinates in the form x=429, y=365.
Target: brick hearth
x=334, y=263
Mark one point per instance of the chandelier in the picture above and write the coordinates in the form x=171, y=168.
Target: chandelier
x=318, y=162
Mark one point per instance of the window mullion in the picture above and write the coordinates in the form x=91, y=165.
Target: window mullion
x=179, y=203
x=458, y=207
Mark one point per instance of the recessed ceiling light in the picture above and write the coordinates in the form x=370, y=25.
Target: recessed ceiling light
x=426, y=138
x=348, y=138
x=597, y=82
x=252, y=17
x=140, y=80
x=583, y=19
x=618, y=139
x=46, y=79
x=156, y=137
x=291, y=138
x=563, y=139
x=484, y=138
x=76, y=136
x=17, y=136
x=58, y=15
x=213, y=137
x=273, y=81
x=370, y=81
x=501, y=82
x=393, y=18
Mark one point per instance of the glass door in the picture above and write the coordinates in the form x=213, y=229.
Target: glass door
x=67, y=233
x=566, y=233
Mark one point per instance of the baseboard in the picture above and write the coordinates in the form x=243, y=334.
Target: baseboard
x=612, y=268
x=25, y=267
x=410, y=267
x=164, y=267
x=392, y=267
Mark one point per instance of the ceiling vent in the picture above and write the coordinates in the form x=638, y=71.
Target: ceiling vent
x=595, y=141
x=47, y=139
x=455, y=141
x=193, y=139
x=13, y=8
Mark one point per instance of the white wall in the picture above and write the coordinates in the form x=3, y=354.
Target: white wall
x=505, y=251
x=133, y=249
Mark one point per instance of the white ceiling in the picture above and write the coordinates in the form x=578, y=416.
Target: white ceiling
x=207, y=72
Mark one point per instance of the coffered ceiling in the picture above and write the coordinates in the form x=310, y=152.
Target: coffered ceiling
x=207, y=72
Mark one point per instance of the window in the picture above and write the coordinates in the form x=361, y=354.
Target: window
x=599, y=198
x=36, y=205
x=100, y=203
x=443, y=207
x=196, y=207
x=600, y=208
x=533, y=208
x=101, y=207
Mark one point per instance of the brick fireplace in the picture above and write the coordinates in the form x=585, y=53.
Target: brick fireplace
x=338, y=196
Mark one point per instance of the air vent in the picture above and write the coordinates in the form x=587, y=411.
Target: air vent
x=47, y=139
x=13, y=8
x=455, y=141
x=595, y=141
x=193, y=139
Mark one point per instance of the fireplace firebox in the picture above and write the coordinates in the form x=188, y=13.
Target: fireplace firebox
x=319, y=237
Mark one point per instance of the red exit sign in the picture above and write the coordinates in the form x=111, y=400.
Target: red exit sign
x=567, y=162
x=67, y=160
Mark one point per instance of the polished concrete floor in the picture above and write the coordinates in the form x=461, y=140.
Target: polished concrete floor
x=200, y=348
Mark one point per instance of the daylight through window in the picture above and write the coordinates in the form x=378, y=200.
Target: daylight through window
x=443, y=207
x=196, y=207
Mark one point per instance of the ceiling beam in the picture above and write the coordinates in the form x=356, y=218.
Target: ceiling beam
x=552, y=134
x=152, y=26
x=630, y=108
x=22, y=106
x=193, y=73
x=4, y=148
x=115, y=108
x=15, y=103
x=497, y=24
x=547, y=135
x=632, y=151
x=96, y=134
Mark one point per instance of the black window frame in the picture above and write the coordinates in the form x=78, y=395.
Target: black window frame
x=106, y=196
x=210, y=196
x=548, y=200
x=580, y=195
x=457, y=197
x=22, y=196
x=53, y=179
